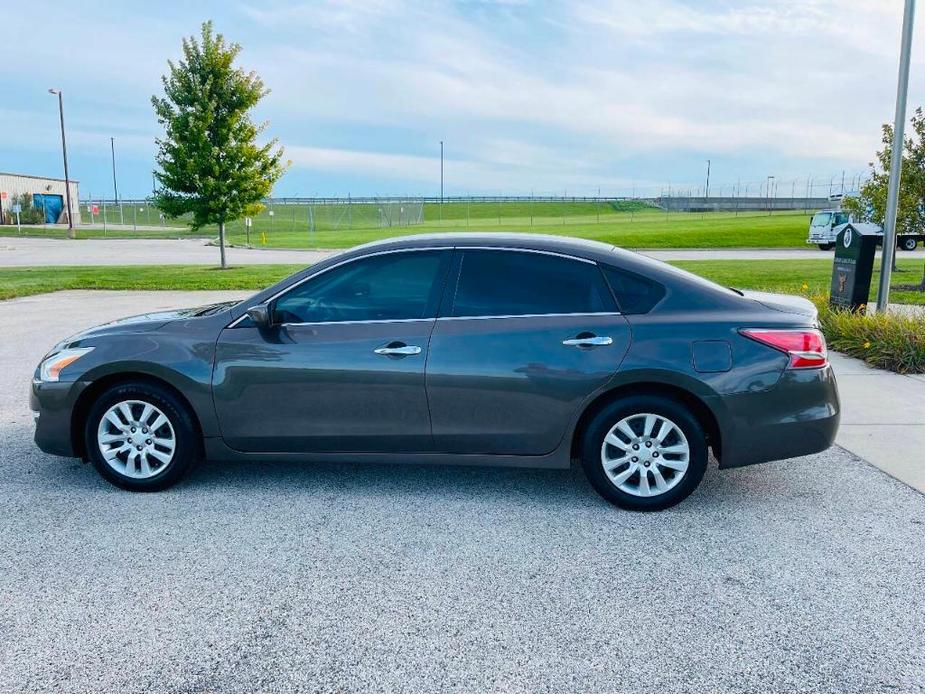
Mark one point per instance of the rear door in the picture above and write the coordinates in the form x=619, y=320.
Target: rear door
x=522, y=339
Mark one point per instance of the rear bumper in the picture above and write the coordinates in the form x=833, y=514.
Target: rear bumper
x=798, y=416
x=52, y=406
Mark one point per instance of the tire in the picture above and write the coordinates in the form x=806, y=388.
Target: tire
x=908, y=243
x=167, y=451
x=634, y=411
x=826, y=246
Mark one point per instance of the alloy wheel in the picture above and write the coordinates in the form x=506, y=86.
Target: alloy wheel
x=136, y=439
x=645, y=454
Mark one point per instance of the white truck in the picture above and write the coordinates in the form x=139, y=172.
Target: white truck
x=825, y=225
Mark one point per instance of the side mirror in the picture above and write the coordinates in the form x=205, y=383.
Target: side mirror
x=260, y=315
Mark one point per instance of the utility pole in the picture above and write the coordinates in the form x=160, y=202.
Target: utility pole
x=115, y=186
x=67, y=179
x=707, y=189
x=899, y=123
x=441, y=181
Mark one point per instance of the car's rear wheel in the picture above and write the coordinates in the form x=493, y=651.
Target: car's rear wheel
x=908, y=243
x=140, y=437
x=826, y=246
x=644, y=453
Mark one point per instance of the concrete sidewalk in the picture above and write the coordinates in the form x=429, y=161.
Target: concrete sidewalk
x=883, y=418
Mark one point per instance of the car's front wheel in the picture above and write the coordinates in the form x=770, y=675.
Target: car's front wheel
x=644, y=453
x=908, y=243
x=140, y=437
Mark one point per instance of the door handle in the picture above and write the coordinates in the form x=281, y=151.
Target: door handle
x=397, y=349
x=590, y=341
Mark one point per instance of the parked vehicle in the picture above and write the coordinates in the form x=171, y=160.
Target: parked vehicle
x=825, y=225
x=490, y=349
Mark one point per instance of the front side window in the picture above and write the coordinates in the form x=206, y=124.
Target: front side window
x=392, y=286
x=517, y=283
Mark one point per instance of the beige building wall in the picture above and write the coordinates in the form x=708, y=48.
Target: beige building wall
x=16, y=184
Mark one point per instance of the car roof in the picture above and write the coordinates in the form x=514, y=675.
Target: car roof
x=683, y=282
x=549, y=242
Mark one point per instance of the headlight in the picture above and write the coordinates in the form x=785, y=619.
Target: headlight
x=51, y=367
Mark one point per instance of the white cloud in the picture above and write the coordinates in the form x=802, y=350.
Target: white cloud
x=526, y=94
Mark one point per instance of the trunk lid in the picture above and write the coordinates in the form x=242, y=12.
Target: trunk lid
x=786, y=303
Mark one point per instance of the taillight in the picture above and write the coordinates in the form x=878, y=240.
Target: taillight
x=806, y=347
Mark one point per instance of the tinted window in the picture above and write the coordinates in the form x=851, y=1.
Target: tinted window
x=634, y=294
x=512, y=283
x=392, y=286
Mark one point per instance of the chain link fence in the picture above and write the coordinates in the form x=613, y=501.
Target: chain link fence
x=343, y=221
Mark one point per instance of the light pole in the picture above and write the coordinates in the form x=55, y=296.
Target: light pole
x=767, y=193
x=67, y=179
x=899, y=125
x=707, y=189
x=441, y=180
x=115, y=186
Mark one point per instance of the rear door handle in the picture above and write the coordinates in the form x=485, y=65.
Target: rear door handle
x=592, y=341
x=397, y=349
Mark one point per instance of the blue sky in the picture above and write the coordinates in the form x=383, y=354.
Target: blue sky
x=549, y=97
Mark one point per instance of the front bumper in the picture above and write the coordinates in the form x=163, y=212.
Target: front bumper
x=798, y=416
x=52, y=406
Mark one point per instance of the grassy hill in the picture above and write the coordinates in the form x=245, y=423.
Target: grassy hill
x=631, y=224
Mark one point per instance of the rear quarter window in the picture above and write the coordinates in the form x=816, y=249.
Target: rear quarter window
x=634, y=293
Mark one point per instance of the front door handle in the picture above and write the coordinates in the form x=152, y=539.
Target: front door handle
x=397, y=349
x=589, y=341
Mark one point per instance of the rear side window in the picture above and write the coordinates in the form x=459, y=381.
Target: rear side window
x=635, y=294
x=517, y=283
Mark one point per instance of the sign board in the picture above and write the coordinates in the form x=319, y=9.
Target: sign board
x=3, y=195
x=855, y=246
x=16, y=208
x=271, y=214
x=247, y=222
x=94, y=209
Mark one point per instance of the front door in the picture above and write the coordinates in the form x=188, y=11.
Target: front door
x=523, y=340
x=342, y=368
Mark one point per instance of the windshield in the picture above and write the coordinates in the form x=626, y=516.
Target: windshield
x=821, y=219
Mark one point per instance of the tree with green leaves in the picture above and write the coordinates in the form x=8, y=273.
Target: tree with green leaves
x=871, y=202
x=210, y=163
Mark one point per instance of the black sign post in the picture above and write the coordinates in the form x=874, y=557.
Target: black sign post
x=855, y=247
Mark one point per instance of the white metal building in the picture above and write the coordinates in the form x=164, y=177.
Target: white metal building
x=47, y=194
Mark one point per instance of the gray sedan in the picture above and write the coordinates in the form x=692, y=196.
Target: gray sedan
x=484, y=349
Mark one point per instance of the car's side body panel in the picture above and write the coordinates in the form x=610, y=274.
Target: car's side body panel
x=323, y=388
x=510, y=385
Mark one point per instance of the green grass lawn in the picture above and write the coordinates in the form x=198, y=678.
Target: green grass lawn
x=24, y=281
x=629, y=224
x=788, y=276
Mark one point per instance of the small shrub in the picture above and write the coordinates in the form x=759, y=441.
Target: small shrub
x=884, y=340
x=28, y=215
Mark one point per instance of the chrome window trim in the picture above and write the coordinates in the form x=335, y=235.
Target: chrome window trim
x=448, y=318
x=518, y=249
x=362, y=322
x=534, y=315
x=515, y=249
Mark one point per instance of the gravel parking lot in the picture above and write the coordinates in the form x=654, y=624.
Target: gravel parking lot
x=806, y=575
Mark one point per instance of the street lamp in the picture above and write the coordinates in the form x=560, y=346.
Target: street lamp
x=896, y=160
x=67, y=180
x=767, y=193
